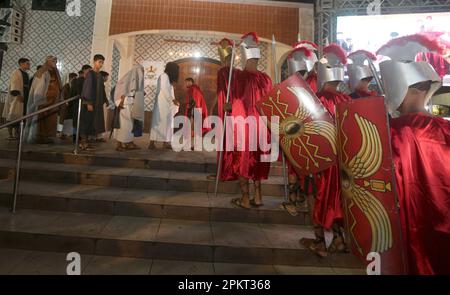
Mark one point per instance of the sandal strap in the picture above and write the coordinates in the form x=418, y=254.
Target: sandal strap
x=294, y=187
x=244, y=185
x=337, y=231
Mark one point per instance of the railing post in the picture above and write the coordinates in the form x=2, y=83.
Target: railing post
x=17, y=178
x=77, y=139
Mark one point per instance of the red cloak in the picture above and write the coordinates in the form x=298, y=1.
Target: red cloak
x=312, y=81
x=230, y=161
x=327, y=207
x=421, y=154
x=197, y=95
x=254, y=86
x=362, y=94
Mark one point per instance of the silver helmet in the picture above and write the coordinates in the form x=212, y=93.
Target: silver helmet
x=306, y=44
x=301, y=59
x=331, y=66
x=401, y=72
x=357, y=70
x=249, y=48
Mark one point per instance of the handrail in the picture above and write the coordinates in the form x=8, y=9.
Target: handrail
x=40, y=111
x=19, y=148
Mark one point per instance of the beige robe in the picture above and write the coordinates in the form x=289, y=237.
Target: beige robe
x=13, y=108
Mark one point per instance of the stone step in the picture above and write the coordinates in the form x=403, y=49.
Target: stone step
x=162, y=160
x=25, y=262
x=160, y=238
x=144, y=203
x=172, y=180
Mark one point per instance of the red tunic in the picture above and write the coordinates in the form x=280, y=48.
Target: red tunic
x=197, y=95
x=327, y=207
x=421, y=154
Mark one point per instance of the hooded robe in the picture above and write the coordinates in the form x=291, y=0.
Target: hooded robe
x=132, y=87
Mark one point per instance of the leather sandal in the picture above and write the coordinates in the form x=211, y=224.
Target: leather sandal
x=258, y=195
x=238, y=203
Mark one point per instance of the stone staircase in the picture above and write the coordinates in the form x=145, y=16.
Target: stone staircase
x=148, y=205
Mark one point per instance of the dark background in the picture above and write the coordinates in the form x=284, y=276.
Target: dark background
x=52, y=5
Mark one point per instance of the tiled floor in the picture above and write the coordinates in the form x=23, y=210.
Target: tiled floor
x=21, y=262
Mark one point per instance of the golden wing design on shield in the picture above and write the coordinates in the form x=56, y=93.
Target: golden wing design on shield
x=380, y=224
x=365, y=164
x=293, y=127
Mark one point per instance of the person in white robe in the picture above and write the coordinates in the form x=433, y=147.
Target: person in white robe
x=19, y=88
x=129, y=100
x=166, y=107
x=44, y=92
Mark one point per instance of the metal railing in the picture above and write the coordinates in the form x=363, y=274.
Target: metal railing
x=3, y=96
x=21, y=121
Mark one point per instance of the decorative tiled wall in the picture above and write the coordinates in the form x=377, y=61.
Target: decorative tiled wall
x=154, y=47
x=115, y=66
x=47, y=32
x=139, y=15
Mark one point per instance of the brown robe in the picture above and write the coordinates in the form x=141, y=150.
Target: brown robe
x=47, y=121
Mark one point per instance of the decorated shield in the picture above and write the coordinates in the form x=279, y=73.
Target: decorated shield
x=368, y=183
x=306, y=129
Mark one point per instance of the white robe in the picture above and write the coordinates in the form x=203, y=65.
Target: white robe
x=164, y=111
x=132, y=87
x=13, y=108
x=37, y=97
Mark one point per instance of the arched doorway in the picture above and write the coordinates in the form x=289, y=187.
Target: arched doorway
x=204, y=73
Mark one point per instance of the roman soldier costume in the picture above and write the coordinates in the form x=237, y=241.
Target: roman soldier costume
x=301, y=61
x=358, y=71
x=421, y=153
x=253, y=86
x=327, y=210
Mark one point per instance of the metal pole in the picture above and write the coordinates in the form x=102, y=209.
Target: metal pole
x=283, y=157
x=77, y=134
x=376, y=77
x=219, y=165
x=17, y=178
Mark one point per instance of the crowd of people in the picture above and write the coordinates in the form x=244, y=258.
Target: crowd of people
x=420, y=141
x=45, y=88
x=27, y=95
